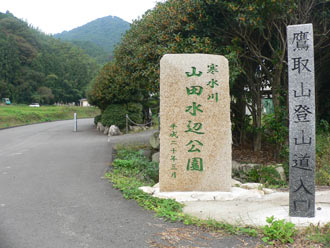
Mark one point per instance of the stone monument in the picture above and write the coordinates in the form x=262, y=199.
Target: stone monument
x=195, y=131
x=301, y=120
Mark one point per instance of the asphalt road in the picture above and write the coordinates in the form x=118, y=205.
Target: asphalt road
x=52, y=194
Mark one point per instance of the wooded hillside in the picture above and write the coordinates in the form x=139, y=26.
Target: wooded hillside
x=97, y=38
x=35, y=67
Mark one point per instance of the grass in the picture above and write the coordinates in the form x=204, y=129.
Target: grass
x=319, y=234
x=17, y=115
x=131, y=169
x=127, y=176
x=322, y=175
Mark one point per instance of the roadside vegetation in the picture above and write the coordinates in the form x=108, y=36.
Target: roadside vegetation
x=17, y=115
x=250, y=34
x=131, y=170
x=322, y=175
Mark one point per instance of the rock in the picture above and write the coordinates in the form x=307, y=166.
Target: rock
x=179, y=131
x=267, y=191
x=156, y=186
x=147, y=153
x=281, y=172
x=235, y=183
x=251, y=186
x=238, y=167
x=154, y=140
x=147, y=189
x=155, y=157
x=106, y=130
x=258, y=192
x=205, y=196
x=235, y=165
x=114, y=131
x=247, y=167
x=100, y=127
x=136, y=128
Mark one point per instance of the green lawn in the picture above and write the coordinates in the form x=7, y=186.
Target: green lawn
x=16, y=115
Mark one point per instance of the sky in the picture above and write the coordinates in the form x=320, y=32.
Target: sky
x=55, y=16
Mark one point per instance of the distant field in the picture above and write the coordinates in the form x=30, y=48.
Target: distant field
x=21, y=114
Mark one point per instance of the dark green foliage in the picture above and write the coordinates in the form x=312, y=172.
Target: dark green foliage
x=251, y=34
x=98, y=53
x=171, y=27
x=275, y=132
x=266, y=175
x=322, y=174
x=37, y=67
x=103, y=33
x=114, y=114
x=135, y=112
x=97, y=119
x=110, y=88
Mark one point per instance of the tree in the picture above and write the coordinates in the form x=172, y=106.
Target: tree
x=171, y=27
x=251, y=34
x=257, y=32
x=30, y=60
x=46, y=95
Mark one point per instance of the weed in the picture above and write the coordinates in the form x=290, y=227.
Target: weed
x=319, y=235
x=266, y=175
x=135, y=163
x=128, y=167
x=130, y=164
x=278, y=230
x=322, y=175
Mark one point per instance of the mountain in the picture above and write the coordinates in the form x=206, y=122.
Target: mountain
x=35, y=67
x=97, y=38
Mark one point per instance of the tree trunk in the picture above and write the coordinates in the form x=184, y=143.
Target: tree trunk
x=276, y=94
x=257, y=125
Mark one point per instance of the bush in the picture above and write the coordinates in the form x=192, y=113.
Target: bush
x=114, y=114
x=266, y=175
x=97, y=119
x=276, y=133
x=135, y=112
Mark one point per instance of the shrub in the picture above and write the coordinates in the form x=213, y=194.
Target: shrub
x=97, y=119
x=276, y=133
x=266, y=175
x=135, y=112
x=114, y=114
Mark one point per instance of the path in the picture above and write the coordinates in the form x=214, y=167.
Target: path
x=52, y=194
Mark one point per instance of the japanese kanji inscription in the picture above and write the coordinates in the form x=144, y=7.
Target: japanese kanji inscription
x=301, y=120
x=195, y=133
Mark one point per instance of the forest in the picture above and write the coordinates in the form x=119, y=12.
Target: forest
x=250, y=34
x=97, y=38
x=35, y=67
